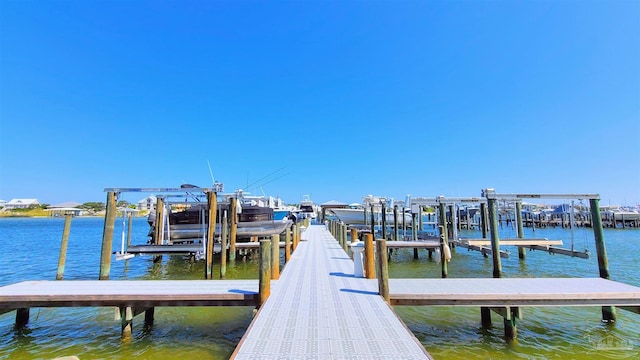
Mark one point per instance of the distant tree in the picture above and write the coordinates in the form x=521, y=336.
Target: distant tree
x=122, y=203
x=93, y=206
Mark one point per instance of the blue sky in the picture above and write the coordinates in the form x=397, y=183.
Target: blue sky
x=336, y=99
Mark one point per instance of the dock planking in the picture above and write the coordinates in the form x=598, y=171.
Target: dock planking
x=319, y=310
x=133, y=293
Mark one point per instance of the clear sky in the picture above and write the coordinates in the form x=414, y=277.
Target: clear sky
x=335, y=99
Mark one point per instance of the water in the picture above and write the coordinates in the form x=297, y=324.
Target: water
x=29, y=250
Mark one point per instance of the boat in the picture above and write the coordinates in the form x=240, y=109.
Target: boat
x=186, y=220
x=308, y=209
x=355, y=213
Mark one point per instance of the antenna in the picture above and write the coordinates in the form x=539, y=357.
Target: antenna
x=211, y=173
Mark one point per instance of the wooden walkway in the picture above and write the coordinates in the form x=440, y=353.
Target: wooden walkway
x=318, y=310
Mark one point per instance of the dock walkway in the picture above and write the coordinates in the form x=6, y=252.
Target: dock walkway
x=318, y=310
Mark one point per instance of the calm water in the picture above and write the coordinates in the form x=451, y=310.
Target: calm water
x=29, y=250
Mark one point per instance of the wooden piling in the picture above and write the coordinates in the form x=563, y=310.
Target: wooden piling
x=275, y=256
x=443, y=257
x=126, y=318
x=382, y=269
x=287, y=245
x=395, y=222
x=129, y=228
x=158, y=229
x=369, y=267
x=345, y=242
x=495, y=240
x=354, y=235
x=212, y=201
x=63, y=247
x=22, y=317
x=383, y=221
x=522, y=253
x=264, y=280
x=223, y=246
x=107, y=236
x=373, y=220
x=233, y=228
x=608, y=312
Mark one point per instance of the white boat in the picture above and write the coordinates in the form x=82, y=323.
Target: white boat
x=355, y=213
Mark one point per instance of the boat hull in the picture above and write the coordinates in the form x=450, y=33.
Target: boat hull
x=357, y=216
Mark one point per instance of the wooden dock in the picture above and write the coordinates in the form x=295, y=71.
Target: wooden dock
x=319, y=310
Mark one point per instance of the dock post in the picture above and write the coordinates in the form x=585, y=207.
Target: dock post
x=107, y=236
x=129, y=228
x=395, y=222
x=354, y=235
x=369, y=269
x=608, y=312
x=443, y=257
x=63, y=247
x=223, y=246
x=383, y=269
x=485, y=317
x=158, y=230
x=212, y=201
x=522, y=253
x=373, y=221
x=345, y=243
x=420, y=220
x=484, y=223
x=275, y=256
x=126, y=316
x=22, y=317
x=414, y=228
x=495, y=240
x=264, y=286
x=233, y=216
x=383, y=213
x=296, y=236
x=287, y=245
x=148, y=317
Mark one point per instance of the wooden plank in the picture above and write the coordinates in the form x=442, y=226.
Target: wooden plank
x=413, y=244
x=503, y=292
x=135, y=293
x=513, y=242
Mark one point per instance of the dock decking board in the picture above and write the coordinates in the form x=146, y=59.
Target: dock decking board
x=129, y=293
x=320, y=311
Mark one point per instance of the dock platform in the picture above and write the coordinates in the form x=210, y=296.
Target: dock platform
x=319, y=310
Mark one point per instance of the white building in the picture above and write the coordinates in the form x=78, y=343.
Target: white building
x=147, y=203
x=21, y=203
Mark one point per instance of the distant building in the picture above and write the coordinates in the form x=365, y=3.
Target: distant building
x=69, y=207
x=147, y=203
x=21, y=203
x=3, y=203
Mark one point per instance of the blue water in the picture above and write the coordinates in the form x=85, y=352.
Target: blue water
x=29, y=249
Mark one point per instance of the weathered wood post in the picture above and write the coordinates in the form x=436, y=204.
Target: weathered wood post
x=223, y=246
x=212, y=201
x=522, y=253
x=369, y=267
x=373, y=221
x=22, y=317
x=485, y=312
x=159, y=223
x=345, y=242
x=287, y=245
x=414, y=228
x=158, y=229
x=395, y=223
x=275, y=256
x=495, y=239
x=264, y=281
x=63, y=247
x=107, y=236
x=420, y=220
x=383, y=213
x=354, y=235
x=126, y=318
x=233, y=228
x=608, y=312
x=443, y=257
x=382, y=269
